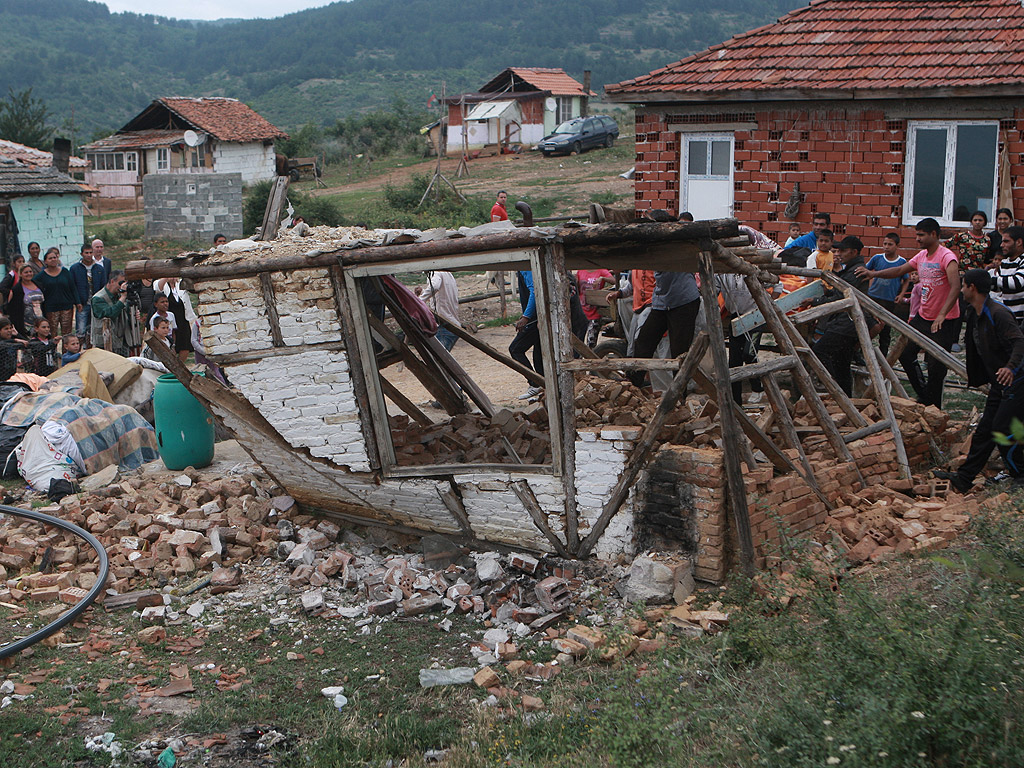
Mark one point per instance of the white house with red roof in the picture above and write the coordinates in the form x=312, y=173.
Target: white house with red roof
x=882, y=111
x=521, y=106
x=209, y=134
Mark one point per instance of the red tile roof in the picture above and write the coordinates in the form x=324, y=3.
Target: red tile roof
x=12, y=150
x=224, y=119
x=837, y=46
x=550, y=80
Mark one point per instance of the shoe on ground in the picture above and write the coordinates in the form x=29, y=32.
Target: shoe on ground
x=531, y=393
x=955, y=481
x=957, y=348
x=1000, y=477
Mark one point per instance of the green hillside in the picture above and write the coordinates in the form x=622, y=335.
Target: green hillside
x=321, y=64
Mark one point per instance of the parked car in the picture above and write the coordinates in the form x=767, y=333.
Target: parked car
x=579, y=134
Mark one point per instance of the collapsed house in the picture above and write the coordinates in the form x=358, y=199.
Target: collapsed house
x=596, y=467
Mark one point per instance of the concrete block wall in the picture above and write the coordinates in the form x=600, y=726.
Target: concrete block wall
x=601, y=454
x=253, y=161
x=50, y=220
x=193, y=206
x=850, y=162
x=233, y=316
x=305, y=305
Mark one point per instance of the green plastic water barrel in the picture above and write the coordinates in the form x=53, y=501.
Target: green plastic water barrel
x=184, y=428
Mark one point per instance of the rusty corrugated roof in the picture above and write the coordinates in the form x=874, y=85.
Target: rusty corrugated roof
x=853, y=45
x=12, y=150
x=137, y=140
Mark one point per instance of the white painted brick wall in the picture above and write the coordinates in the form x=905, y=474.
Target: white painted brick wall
x=600, y=458
x=253, y=160
x=233, y=317
x=305, y=304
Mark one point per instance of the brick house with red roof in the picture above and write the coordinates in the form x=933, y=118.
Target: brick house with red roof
x=521, y=105
x=183, y=135
x=882, y=111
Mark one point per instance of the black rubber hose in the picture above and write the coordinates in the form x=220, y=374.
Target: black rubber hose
x=85, y=602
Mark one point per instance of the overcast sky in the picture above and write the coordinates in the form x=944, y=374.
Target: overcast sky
x=215, y=9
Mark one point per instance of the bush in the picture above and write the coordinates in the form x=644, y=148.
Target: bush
x=316, y=210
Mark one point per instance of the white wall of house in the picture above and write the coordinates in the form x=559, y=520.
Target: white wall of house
x=253, y=160
x=50, y=220
x=531, y=133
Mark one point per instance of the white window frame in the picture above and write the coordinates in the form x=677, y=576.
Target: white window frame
x=163, y=160
x=563, y=109
x=909, y=169
x=131, y=161
x=684, y=164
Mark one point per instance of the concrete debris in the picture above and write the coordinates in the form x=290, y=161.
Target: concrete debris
x=659, y=579
x=430, y=678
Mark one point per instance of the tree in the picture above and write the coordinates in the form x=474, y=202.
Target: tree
x=23, y=119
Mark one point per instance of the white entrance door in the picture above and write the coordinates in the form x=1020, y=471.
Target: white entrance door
x=706, y=175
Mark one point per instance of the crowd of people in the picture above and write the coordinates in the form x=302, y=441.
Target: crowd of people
x=51, y=313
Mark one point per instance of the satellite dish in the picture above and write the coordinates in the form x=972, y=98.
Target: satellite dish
x=192, y=138
x=550, y=104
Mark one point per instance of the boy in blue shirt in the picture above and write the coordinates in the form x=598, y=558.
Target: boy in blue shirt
x=885, y=290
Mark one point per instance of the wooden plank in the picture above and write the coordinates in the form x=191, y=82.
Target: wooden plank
x=531, y=375
x=554, y=329
x=601, y=364
x=446, y=470
x=461, y=376
x=731, y=435
x=357, y=370
x=754, y=318
x=272, y=213
x=788, y=431
x=821, y=373
x=395, y=395
x=764, y=368
x=870, y=429
x=881, y=395
x=553, y=274
x=270, y=302
x=233, y=358
x=451, y=498
x=645, y=446
x=522, y=489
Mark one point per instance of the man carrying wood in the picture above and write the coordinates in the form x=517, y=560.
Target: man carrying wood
x=939, y=272
x=995, y=353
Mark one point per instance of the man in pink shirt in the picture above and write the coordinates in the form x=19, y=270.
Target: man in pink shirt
x=939, y=274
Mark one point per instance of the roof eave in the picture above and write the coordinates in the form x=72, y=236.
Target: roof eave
x=797, y=94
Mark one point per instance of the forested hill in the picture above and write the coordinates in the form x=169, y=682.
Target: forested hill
x=326, y=62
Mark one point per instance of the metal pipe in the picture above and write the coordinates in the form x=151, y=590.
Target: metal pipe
x=76, y=611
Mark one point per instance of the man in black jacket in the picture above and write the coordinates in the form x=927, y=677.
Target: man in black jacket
x=838, y=342
x=995, y=352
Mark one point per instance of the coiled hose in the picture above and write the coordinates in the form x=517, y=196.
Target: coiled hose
x=64, y=619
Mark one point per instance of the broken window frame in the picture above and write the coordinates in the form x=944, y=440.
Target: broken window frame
x=380, y=433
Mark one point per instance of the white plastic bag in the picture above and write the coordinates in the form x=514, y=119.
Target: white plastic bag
x=39, y=462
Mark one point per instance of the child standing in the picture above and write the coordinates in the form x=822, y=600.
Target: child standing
x=10, y=349
x=162, y=331
x=794, y=233
x=885, y=290
x=588, y=279
x=822, y=258
x=162, y=311
x=42, y=348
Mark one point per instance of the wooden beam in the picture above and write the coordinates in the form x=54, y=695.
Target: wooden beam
x=233, y=358
x=764, y=368
x=870, y=429
x=275, y=204
x=522, y=489
x=788, y=431
x=554, y=274
x=638, y=236
x=531, y=375
x=622, y=364
x=267, y=284
x=890, y=374
x=462, y=378
x=645, y=446
x=451, y=498
x=822, y=310
x=394, y=395
x=881, y=395
x=731, y=435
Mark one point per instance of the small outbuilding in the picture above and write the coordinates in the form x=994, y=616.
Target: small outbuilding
x=520, y=106
x=39, y=204
x=879, y=112
x=184, y=135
